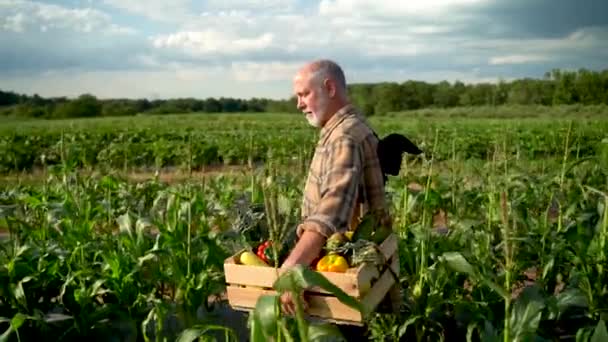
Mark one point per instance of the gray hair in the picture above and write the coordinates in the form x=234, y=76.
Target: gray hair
x=328, y=68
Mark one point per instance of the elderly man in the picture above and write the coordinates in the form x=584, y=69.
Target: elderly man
x=345, y=179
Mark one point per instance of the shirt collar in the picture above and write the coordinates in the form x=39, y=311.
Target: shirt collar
x=335, y=120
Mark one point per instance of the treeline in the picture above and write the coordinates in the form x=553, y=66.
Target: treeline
x=87, y=105
x=557, y=87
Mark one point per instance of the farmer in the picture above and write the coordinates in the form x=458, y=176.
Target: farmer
x=345, y=180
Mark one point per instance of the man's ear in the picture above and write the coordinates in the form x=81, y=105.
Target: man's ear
x=330, y=85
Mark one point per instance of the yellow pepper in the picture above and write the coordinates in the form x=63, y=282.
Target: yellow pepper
x=332, y=263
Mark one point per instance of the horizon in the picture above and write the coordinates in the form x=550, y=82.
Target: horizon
x=494, y=83
x=184, y=49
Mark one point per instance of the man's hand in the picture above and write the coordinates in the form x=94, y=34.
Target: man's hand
x=305, y=251
x=288, y=304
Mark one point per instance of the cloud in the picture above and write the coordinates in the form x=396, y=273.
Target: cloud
x=47, y=37
x=212, y=42
x=21, y=16
x=173, y=11
x=263, y=72
x=517, y=59
x=251, y=5
x=392, y=8
x=243, y=47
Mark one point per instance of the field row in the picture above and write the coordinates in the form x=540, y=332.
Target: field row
x=284, y=139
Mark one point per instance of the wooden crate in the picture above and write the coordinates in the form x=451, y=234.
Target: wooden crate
x=245, y=284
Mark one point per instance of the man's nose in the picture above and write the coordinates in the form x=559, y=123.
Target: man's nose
x=300, y=104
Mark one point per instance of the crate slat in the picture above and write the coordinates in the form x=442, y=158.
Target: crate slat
x=382, y=286
x=245, y=298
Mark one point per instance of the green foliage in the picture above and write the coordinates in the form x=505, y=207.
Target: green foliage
x=558, y=87
x=523, y=256
x=191, y=143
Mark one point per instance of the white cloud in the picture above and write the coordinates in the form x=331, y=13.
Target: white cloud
x=21, y=16
x=212, y=42
x=350, y=28
x=517, y=59
x=15, y=23
x=251, y=5
x=263, y=72
x=166, y=11
x=391, y=8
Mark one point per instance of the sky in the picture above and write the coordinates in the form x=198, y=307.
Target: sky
x=235, y=48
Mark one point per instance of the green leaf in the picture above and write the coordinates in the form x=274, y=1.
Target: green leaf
x=458, y=263
x=21, y=250
x=490, y=334
x=18, y=320
x=571, y=297
x=526, y=313
x=547, y=268
x=56, y=317
x=583, y=335
x=267, y=313
x=197, y=331
x=141, y=224
x=404, y=326
x=324, y=332
x=190, y=335
x=141, y=260
x=96, y=288
x=6, y=334
x=600, y=334
x=124, y=224
x=470, y=330
x=497, y=288
x=20, y=293
x=285, y=330
x=256, y=334
x=300, y=278
x=284, y=205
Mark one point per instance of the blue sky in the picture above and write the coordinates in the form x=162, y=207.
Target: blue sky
x=237, y=48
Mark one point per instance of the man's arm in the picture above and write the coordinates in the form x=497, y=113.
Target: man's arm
x=306, y=249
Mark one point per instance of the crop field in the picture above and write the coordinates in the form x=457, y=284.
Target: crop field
x=502, y=226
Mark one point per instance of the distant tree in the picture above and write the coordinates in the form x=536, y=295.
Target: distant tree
x=85, y=105
x=388, y=98
x=445, y=95
x=8, y=98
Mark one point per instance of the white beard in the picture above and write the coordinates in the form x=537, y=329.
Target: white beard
x=314, y=119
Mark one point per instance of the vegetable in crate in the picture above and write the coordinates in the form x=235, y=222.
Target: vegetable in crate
x=366, y=252
x=335, y=241
x=332, y=263
x=265, y=252
x=250, y=259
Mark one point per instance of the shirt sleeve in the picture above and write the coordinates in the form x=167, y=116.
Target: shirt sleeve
x=339, y=184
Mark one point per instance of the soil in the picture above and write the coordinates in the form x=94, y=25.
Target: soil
x=169, y=174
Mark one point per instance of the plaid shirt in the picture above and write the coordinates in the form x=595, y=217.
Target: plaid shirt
x=345, y=180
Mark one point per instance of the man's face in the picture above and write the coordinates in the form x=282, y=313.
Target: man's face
x=312, y=97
